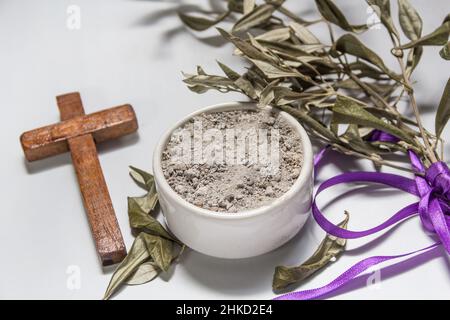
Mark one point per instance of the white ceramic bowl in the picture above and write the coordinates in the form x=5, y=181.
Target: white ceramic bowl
x=243, y=234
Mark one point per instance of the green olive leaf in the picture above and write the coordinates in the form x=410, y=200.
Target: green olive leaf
x=445, y=51
x=146, y=272
x=438, y=37
x=349, y=44
x=137, y=255
x=332, y=13
x=410, y=20
x=199, y=23
x=257, y=16
x=347, y=110
x=443, y=112
x=329, y=250
x=160, y=250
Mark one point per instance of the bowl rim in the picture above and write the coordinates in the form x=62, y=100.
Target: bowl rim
x=304, y=176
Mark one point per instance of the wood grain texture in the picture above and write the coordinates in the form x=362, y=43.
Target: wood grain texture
x=96, y=199
x=103, y=125
x=78, y=134
x=70, y=105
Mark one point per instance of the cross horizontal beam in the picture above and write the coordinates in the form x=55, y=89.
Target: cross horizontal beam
x=103, y=125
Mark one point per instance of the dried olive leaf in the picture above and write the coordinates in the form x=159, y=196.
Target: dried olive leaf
x=332, y=13
x=303, y=33
x=304, y=68
x=148, y=202
x=141, y=220
x=241, y=82
x=257, y=77
x=199, y=23
x=329, y=249
x=445, y=51
x=348, y=43
x=310, y=48
x=248, y=49
x=146, y=272
x=410, y=20
x=276, y=35
x=353, y=139
x=347, y=110
x=272, y=71
x=200, y=71
x=135, y=257
x=383, y=5
x=284, y=49
x=207, y=80
x=312, y=123
x=383, y=9
x=258, y=15
x=255, y=43
x=446, y=19
x=236, y=6
x=443, y=112
x=267, y=94
x=348, y=84
x=246, y=86
x=413, y=59
x=230, y=73
x=160, y=250
x=285, y=95
x=386, y=114
x=143, y=179
x=438, y=37
x=248, y=5
x=366, y=70
x=200, y=88
x=203, y=83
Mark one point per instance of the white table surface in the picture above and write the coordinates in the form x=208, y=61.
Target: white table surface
x=130, y=51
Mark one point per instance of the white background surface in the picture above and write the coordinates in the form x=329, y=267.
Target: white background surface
x=132, y=52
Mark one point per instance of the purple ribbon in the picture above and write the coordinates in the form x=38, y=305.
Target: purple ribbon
x=378, y=135
x=431, y=185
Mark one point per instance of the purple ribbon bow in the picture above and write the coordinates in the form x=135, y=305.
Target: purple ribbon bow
x=431, y=185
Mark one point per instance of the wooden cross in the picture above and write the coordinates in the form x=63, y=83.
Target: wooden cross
x=78, y=134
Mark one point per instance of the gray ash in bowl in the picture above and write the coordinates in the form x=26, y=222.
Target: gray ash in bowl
x=233, y=161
